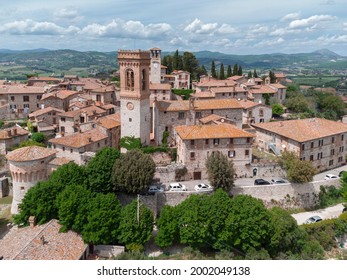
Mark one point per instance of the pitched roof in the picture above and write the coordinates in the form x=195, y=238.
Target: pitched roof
x=110, y=121
x=246, y=104
x=211, y=118
x=261, y=89
x=192, y=132
x=183, y=105
x=12, y=132
x=21, y=89
x=215, y=83
x=42, y=242
x=61, y=94
x=78, y=140
x=45, y=111
x=29, y=154
x=159, y=86
x=305, y=129
x=228, y=89
x=60, y=161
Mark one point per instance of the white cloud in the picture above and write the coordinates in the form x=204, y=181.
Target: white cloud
x=124, y=29
x=345, y=26
x=198, y=27
x=226, y=29
x=310, y=21
x=30, y=27
x=69, y=14
x=291, y=16
x=333, y=39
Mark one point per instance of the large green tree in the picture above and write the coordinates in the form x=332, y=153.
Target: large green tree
x=133, y=172
x=167, y=223
x=221, y=72
x=136, y=225
x=99, y=170
x=213, y=70
x=220, y=171
x=229, y=73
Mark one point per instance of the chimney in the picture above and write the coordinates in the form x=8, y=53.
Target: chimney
x=32, y=221
x=89, y=139
x=15, y=131
x=9, y=133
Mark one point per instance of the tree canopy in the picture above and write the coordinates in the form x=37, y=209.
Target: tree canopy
x=133, y=172
x=220, y=171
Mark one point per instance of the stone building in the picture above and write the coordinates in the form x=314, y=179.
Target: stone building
x=155, y=67
x=10, y=137
x=196, y=142
x=182, y=79
x=28, y=166
x=254, y=112
x=321, y=141
x=160, y=91
x=134, y=94
x=58, y=99
x=167, y=114
x=80, y=146
x=20, y=99
x=45, y=120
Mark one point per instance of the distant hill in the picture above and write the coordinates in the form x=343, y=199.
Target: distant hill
x=17, y=64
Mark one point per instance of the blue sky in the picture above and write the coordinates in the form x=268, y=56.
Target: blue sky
x=234, y=27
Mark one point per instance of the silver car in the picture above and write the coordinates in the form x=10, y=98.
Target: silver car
x=313, y=219
x=177, y=187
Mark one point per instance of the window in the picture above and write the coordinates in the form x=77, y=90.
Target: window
x=332, y=152
x=63, y=148
x=98, y=97
x=26, y=98
x=192, y=155
x=231, y=154
x=261, y=113
x=206, y=141
x=62, y=129
x=192, y=142
x=13, y=106
x=198, y=115
x=12, y=98
x=319, y=155
x=71, y=150
x=342, y=137
x=143, y=79
x=63, y=119
x=303, y=147
x=212, y=111
x=180, y=115
x=248, y=140
x=320, y=143
x=340, y=159
x=246, y=153
x=231, y=140
x=129, y=78
x=215, y=141
x=312, y=145
x=331, y=162
x=333, y=139
x=311, y=157
x=38, y=97
x=130, y=119
x=341, y=149
x=26, y=105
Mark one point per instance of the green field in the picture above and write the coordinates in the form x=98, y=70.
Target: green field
x=327, y=81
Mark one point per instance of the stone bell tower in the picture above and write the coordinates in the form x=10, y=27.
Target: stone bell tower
x=134, y=94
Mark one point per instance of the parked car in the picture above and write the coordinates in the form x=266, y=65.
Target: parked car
x=342, y=173
x=279, y=181
x=154, y=189
x=330, y=176
x=261, y=182
x=177, y=187
x=202, y=187
x=313, y=219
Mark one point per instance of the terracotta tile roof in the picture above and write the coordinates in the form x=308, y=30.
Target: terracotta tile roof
x=42, y=242
x=108, y=106
x=110, y=121
x=216, y=83
x=45, y=111
x=246, y=104
x=236, y=77
x=102, y=89
x=90, y=111
x=78, y=140
x=183, y=105
x=61, y=94
x=60, y=161
x=78, y=104
x=44, y=79
x=190, y=132
x=280, y=75
x=305, y=129
x=21, y=89
x=228, y=89
x=204, y=94
x=211, y=118
x=29, y=153
x=261, y=89
x=159, y=86
x=12, y=132
x=277, y=86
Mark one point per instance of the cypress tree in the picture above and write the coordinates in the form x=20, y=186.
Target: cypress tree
x=229, y=74
x=213, y=70
x=221, y=72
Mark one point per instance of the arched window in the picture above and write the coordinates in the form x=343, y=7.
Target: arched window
x=143, y=79
x=129, y=80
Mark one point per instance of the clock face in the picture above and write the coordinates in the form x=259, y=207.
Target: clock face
x=155, y=65
x=130, y=105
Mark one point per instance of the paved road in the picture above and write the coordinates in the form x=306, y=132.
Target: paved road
x=327, y=213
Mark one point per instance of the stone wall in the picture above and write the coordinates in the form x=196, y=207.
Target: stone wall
x=108, y=251
x=4, y=187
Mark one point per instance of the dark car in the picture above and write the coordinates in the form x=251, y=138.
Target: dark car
x=261, y=182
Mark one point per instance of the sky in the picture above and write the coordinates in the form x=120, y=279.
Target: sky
x=227, y=26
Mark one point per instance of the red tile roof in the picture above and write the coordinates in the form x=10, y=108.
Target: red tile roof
x=61, y=94
x=29, y=154
x=42, y=242
x=45, y=111
x=190, y=132
x=12, y=132
x=78, y=140
x=305, y=129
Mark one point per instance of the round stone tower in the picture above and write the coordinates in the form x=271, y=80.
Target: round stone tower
x=28, y=166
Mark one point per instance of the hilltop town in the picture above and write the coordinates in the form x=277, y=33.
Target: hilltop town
x=234, y=116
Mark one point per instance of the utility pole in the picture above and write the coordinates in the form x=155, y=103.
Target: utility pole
x=138, y=209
